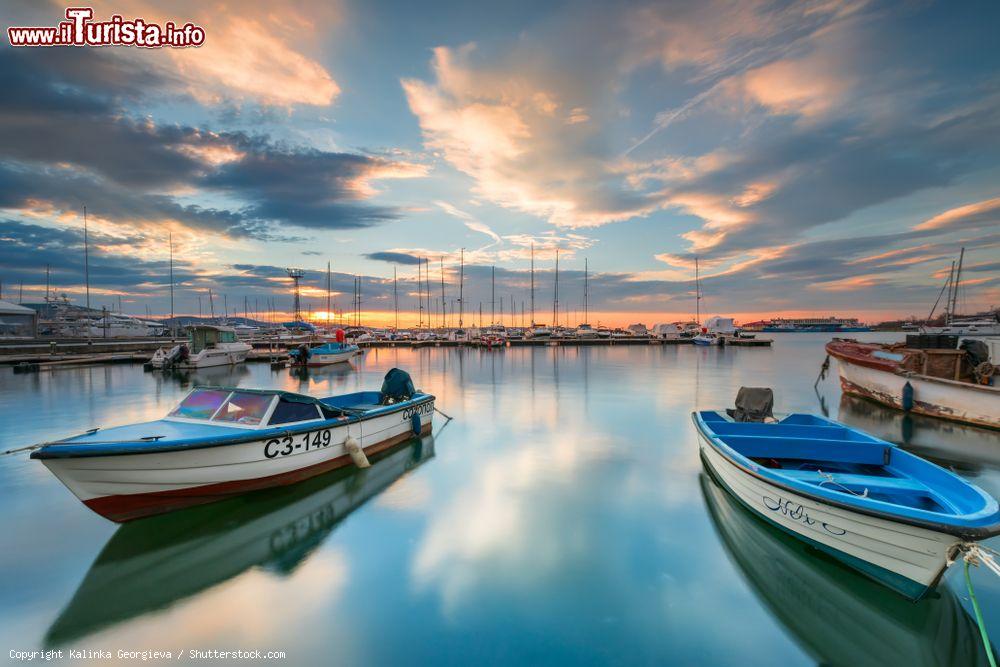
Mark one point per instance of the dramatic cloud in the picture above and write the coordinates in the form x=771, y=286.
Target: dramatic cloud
x=523, y=141
x=61, y=147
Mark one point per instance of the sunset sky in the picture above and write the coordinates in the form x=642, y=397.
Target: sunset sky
x=816, y=157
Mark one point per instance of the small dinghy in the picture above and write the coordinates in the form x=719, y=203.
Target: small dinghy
x=891, y=515
x=224, y=441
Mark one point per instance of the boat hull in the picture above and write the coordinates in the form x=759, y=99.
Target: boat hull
x=229, y=355
x=211, y=358
x=908, y=559
x=329, y=359
x=946, y=399
x=130, y=486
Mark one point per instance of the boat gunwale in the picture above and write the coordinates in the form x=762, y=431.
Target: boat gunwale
x=72, y=450
x=964, y=531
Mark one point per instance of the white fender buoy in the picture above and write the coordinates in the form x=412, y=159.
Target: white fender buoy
x=357, y=454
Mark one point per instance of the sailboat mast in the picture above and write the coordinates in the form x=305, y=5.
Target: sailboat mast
x=586, y=293
x=86, y=256
x=444, y=314
x=493, y=294
x=461, y=288
x=555, y=296
x=532, y=284
x=328, y=295
x=420, y=296
x=395, y=296
x=170, y=242
x=697, y=293
x=958, y=282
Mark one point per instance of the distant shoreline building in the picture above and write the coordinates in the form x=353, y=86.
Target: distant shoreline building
x=17, y=321
x=829, y=324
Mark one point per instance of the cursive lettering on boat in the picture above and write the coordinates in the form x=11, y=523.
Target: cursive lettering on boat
x=797, y=512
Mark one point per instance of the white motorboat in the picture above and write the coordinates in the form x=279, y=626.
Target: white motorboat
x=117, y=325
x=219, y=442
x=967, y=327
x=539, y=331
x=707, y=338
x=208, y=345
x=323, y=355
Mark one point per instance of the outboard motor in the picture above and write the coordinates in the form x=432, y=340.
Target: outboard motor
x=177, y=354
x=300, y=354
x=753, y=404
x=397, y=386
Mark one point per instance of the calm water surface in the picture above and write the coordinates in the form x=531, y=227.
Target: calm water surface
x=562, y=517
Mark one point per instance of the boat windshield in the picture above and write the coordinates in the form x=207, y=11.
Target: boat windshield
x=244, y=408
x=200, y=404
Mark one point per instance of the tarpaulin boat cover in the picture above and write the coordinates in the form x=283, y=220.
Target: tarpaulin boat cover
x=976, y=350
x=753, y=404
x=397, y=386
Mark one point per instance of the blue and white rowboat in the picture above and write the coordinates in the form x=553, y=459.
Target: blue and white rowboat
x=889, y=514
x=224, y=441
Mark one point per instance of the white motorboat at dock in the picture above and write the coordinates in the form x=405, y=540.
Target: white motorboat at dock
x=208, y=345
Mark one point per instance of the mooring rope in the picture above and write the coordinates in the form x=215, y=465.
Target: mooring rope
x=22, y=449
x=977, y=554
x=822, y=371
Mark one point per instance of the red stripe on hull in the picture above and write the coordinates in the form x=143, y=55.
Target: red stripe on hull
x=128, y=507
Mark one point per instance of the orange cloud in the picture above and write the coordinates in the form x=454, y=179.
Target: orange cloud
x=807, y=88
x=520, y=138
x=253, y=54
x=983, y=211
x=849, y=284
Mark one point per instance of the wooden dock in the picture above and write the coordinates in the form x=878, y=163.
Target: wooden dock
x=41, y=354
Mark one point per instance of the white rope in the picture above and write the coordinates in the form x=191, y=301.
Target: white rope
x=828, y=477
x=977, y=554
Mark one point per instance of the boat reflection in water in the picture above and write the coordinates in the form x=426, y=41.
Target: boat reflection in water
x=150, y=564
x=227, y=376
x=838, y=616
x=968, y=450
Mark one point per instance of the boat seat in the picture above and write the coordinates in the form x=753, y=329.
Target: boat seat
x=870, y=482
x=821, y=449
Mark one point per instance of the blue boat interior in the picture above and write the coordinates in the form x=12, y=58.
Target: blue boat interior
x=361, y=400
x=811, y=453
